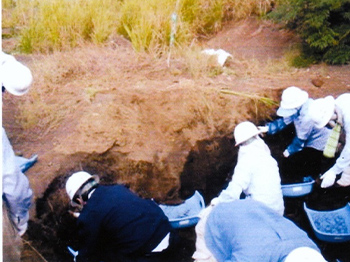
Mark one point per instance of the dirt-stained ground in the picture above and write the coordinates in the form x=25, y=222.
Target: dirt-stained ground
x=161, y=130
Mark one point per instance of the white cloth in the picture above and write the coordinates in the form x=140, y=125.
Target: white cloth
x=257, y=176
x=202, y=253
x=163, y=244
x=15, y=186
x=222, y=55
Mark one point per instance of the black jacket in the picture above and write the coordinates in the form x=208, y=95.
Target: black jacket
x=118, y=225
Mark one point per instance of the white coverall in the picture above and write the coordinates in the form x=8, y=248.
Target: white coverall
x=257, y=175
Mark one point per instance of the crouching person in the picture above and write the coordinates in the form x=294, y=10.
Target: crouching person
x=114, y=223
x=247, y=230
x=256, y=175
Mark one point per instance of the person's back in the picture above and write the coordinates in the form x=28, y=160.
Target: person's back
x=247, y=230
x=306, y=131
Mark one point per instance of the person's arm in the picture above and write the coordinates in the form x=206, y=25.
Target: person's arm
x=296, y=146
x=16, y=190
x=88, y=244
x=90, y=228
x=304, y=127
x=239, y=182
x=276, y=126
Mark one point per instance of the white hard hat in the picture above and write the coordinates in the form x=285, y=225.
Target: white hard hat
x=321, y=111
x=292, y=98
x=244, y=131
x=15, y=77
x=75, y=181
x=304, y=254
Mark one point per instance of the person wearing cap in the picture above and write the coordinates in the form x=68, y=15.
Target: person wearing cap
x=247, y=230
x=114, y=223
x=16, y=192
x=327, y=112
x=304, y=155
x=256, y=175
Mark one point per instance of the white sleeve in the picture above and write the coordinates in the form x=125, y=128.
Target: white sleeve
x=239, y=182
x=15, y=185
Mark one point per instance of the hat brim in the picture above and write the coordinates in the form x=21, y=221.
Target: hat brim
x=283, y=112
x=255, y=134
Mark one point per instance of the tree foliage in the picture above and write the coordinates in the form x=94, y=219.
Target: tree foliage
x=323, y=25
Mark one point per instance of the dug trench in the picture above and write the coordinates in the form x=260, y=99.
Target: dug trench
x=208, y=169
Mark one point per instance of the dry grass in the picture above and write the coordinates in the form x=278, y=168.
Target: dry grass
x=52, y=25
x=102, y=85
x=67, y=82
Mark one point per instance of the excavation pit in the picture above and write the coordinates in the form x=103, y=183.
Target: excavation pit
x=208, y=169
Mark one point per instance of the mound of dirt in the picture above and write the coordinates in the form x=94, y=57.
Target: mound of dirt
x=130, y=119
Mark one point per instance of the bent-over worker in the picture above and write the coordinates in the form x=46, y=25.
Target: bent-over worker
x=115, y=224
x=247, y=230
x=304, y=155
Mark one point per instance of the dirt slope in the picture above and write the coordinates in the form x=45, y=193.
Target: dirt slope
x=131, y=119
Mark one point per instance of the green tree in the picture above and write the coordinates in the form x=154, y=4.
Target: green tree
x=323, y=25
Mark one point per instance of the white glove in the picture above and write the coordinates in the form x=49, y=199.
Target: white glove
x=263, y=129
x=328, y=179
x=286, y=153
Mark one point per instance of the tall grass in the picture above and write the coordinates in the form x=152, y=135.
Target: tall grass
x=48, y=25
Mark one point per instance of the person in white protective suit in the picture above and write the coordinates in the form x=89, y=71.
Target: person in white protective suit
x=303, y=157
x=256, y=175
x=329, y=112
x=16, y=192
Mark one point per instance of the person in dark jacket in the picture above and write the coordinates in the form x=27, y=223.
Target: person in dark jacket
x=114, y=223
